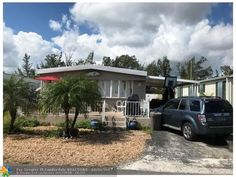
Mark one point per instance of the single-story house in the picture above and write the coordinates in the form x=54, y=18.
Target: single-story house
x=117, y=84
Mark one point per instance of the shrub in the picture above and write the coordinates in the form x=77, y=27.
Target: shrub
x=23, y=122
x=84, y=124
x=53, y=133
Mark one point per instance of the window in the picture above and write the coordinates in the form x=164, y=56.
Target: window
x=218, y=106
x=129, y=88
x=101, y=88
x=122, y=88
x=114, y=88
x=194, y=105
x=107, y=88
x=183, y=105
x=172, y=104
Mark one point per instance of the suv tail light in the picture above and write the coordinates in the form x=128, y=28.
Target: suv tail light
x=201, y=118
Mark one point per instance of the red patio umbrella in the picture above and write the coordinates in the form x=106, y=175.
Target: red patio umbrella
x=47, y=78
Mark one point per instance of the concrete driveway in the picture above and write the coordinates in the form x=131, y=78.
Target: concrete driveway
x=169, y=153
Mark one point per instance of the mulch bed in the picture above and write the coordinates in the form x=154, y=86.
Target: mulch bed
x=90, y=149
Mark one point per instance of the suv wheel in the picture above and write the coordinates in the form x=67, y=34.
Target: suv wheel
x=188, y=132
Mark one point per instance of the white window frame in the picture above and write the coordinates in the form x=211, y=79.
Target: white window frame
x=130, y=82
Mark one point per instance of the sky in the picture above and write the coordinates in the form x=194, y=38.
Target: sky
x=147, y=30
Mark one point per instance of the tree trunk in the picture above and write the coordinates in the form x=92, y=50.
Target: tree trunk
x=13, y=118
x=75, y=118
x=67, y=134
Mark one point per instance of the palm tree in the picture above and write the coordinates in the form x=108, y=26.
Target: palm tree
x=16, y=93
x=88, y=94
x=67, y=93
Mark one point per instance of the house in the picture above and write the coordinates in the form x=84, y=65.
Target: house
x=221, y=86
x=115, y=83
x=118, y=84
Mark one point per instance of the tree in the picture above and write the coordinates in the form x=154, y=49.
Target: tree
x=159, y=68
x=90, y=59
x=68, y=57
x=107, y=61
x=88, y=94
x=227, y=70
x=163, y=66
x=67, y=93
x=152, y=69
x=123, y=61
x=27, y=70
x=16, y=93
x=193, y=69
x=52, y=61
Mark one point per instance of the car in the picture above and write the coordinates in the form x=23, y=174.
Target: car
x=198, y=116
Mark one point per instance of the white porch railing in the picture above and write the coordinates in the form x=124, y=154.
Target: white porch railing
x=115, y=115
x=133, y=108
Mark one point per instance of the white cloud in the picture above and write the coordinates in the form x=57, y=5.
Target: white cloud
x=146, y=30
x=135, y=23
x=152, y=30
x=16, y=45
x=54, y=25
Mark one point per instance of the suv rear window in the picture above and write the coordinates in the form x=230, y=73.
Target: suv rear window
x=218, y=106
x=194, y=105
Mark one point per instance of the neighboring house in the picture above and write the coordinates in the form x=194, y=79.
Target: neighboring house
x=32, y=82
x=218, y=86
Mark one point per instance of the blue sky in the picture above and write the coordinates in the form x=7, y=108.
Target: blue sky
x=146, y=30
x=35, y=16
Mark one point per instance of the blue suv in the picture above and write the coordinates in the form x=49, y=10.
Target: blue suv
x=198, y=116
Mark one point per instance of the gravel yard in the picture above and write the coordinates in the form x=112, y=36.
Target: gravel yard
x=90, y=149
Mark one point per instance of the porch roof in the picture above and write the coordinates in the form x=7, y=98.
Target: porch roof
x=159, y=81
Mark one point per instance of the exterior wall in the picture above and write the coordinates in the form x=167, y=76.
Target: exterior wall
x=185, y=91
x=210, y=88
x=138, y=83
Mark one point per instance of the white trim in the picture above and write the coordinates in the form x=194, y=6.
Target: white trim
x=132, y=87
x=118, y=88
x=92, y=67
x=178, y=80
x=216, y=78
x=111, y=82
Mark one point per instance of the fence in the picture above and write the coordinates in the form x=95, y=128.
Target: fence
x=133, y=108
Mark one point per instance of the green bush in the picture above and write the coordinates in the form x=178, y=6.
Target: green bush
x=84, y=124
x=53, y=133
x=23, y=122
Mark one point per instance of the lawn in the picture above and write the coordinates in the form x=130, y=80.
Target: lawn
x=92, y=148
